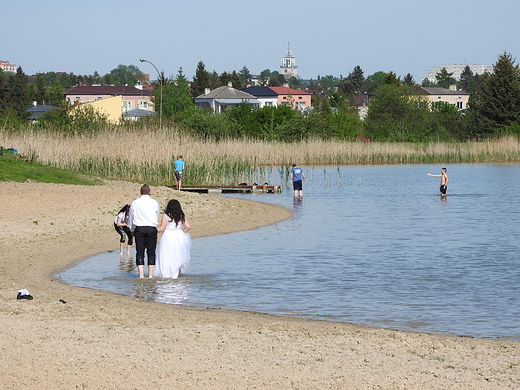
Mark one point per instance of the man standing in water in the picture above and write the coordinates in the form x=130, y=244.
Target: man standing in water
x=297, y=176
x=444, y=180
x=144, y=213
x=178, y=166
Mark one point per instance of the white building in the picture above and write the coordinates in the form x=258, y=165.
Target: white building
x=457, y=70
x=7, y=67
x=288, y=67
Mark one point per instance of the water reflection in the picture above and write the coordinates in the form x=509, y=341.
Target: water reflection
x=171, y=291
x=127, y=265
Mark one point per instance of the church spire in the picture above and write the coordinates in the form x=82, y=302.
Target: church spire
x=288, y=67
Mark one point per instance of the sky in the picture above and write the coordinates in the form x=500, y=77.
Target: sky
x=328, y=37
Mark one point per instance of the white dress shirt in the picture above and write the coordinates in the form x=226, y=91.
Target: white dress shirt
x=144, y=211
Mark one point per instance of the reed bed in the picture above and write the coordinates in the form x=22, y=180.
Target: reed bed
x=146, y=155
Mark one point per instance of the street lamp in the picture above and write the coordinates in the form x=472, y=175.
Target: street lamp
x=160, y=81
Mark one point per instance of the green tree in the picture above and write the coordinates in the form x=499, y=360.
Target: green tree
x=108, y=79
x=328, y=83
x=427, y=83
x=465, y=78
x=39, y=90
x=394, y=115
x=235, y=80
x=274, y=81
x=224, y=78
x=96, y=78
x=408, y=80
x=391, y=78
x=200, y=80
x=5, y=91
x=55, y=95
x=444, y=78
x=177, y=99
x=214, y=80
x=20, y=93
x=497, y=103
x=264, y=77
x=295, y=82
x=245, y=76
x=126, y=75
x=372, y=82
x=347, y=88
x=356, y=77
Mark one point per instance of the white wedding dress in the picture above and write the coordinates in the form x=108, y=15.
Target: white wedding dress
x=173, y=253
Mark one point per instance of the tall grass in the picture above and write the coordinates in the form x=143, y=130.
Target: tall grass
x=146, y=155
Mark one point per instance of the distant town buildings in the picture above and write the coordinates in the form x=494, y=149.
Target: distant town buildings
x=288, y=67
x=7, y=67
x=457, y=70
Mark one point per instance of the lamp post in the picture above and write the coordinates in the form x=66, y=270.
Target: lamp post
x=160, y=82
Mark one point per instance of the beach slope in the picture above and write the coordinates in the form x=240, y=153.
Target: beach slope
x=100, y=340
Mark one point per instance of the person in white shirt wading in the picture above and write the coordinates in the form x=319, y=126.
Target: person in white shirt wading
x=144, y=213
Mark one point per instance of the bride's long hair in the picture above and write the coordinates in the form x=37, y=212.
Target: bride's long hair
x=174, y=211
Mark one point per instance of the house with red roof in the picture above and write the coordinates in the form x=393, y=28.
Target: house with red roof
x=277, y=96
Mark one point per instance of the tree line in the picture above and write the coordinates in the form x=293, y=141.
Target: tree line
x=395, y=113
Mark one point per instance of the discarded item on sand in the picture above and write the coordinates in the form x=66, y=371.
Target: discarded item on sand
x=24, y=294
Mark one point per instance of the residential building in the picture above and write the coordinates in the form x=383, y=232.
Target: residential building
x=457, y=70
x=457, y=98
x=110, y=106
x=224, y=97
x=37, y=111
x=136, y=113
x=129, y=97
x=7, y=67
x=275, y=96
x=265, y=95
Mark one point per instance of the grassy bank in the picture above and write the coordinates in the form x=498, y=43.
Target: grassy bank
x=147, y=155
x=19, y=170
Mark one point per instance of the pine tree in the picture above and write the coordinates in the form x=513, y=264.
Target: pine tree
x=200, y=80
x=356, y=77
x=20, y=93
x=497, y=103
x=177, y=98
x=235, y=80
x=4, y=91
x=465, y=78
x=39, y=90
x=444, y=78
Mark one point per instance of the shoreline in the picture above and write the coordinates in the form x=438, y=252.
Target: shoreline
x=102, y=340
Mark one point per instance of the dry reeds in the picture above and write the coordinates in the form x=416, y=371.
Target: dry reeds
x=147, y=155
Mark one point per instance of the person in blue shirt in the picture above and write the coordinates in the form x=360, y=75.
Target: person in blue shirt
x=178, y=166
x=297, y=177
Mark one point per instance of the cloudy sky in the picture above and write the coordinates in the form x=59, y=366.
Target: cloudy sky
x=327, y=37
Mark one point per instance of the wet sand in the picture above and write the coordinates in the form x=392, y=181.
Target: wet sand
x=100, y=340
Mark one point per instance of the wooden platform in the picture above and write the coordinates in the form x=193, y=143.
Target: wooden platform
x=232, y=189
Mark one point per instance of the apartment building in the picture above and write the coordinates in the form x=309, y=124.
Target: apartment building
x=7, y=67
x=457, y=70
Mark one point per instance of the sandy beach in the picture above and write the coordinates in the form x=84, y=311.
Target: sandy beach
x=100, y=340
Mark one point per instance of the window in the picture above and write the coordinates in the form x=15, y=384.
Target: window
x=460, y=105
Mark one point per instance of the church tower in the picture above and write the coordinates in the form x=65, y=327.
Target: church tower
x=288, y=67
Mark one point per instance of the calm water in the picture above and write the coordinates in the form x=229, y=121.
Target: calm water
x=371, y=245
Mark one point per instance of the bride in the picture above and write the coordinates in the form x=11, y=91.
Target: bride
x=173, y=254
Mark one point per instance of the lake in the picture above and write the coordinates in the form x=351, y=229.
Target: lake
x=372, y=245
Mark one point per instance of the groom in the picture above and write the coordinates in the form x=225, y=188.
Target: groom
x=144, y=212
